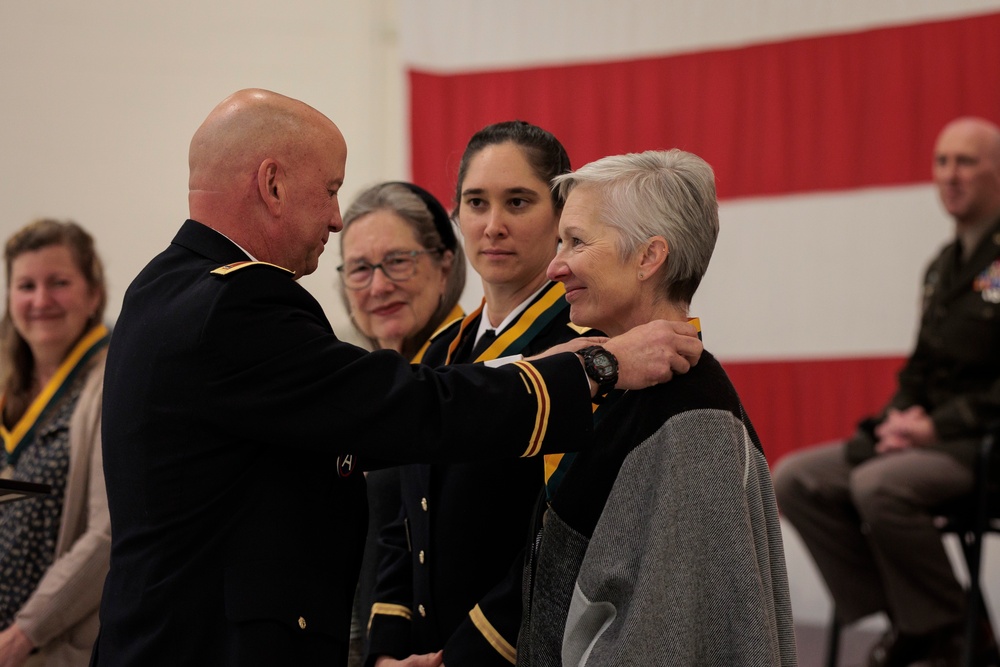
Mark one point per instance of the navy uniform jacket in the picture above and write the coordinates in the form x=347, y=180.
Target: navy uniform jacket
x=954, y=371
x=463, y=525
x=235, y=426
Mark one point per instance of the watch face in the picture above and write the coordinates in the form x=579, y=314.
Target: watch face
x=603, y=365
x=602, y=368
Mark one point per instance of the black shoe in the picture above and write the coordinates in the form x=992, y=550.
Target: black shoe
x=945, y=649
x=896, y=649
x=988, y=655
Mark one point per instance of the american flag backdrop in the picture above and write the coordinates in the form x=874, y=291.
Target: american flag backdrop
x=819, y=118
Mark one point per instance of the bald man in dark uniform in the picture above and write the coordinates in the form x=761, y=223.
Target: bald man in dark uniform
x=236, y=424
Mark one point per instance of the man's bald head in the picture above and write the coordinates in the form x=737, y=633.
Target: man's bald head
x=967, y=170
x=244, y=129
x=265, y=171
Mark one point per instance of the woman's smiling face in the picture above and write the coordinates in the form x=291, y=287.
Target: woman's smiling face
x=601, y=288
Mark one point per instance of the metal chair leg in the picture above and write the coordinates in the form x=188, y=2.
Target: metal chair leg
x=833, y=640
x=972, y=548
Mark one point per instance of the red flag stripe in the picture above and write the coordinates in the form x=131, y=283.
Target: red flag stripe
x=823, y=113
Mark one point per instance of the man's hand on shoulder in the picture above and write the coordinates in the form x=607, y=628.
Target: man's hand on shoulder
x=572, y=345
x=654, y=352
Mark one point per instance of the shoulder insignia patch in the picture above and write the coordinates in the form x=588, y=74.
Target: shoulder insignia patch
x=236, y=266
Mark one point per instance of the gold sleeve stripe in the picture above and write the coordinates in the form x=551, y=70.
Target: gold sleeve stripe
x=496, y=640
x=532, y=377
x=387, y=609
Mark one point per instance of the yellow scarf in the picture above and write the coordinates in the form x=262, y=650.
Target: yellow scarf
x=94, y=340
x=456, y=314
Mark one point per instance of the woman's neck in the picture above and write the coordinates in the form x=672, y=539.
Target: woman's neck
x=501, y=300
x=43, y=373
x=46, y=362
x=643, y=314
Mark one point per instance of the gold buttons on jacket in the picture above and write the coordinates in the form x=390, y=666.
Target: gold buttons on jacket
x=423, y=504
x=302, y=623
x=421, y=556
x=420, y=608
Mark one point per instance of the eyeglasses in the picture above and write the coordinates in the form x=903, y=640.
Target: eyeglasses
x=397, y=267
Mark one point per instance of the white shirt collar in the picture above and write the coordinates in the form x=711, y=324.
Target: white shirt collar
x=484, y=320
x=252, y=258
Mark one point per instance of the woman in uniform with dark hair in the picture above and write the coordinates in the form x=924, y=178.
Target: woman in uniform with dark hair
x=462, y=526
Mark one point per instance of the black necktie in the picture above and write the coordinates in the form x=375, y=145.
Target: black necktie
x=488, y=338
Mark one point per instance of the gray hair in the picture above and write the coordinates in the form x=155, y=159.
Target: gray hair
x=657, y=193
x=401, y=199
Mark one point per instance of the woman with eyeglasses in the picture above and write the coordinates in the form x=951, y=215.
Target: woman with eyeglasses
x=403, y=271
x=402, y=275
x=443, y=584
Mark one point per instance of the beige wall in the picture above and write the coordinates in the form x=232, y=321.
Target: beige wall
x=99, y=101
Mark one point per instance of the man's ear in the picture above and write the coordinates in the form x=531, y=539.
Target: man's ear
x=653, y=257
x=271, y=186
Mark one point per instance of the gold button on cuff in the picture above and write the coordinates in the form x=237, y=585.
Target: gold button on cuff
x=302, y=623
x=423, y=612
x=423, y=504
x=421, y=556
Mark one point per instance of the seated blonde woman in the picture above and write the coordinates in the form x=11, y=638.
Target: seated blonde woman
x=661, y=546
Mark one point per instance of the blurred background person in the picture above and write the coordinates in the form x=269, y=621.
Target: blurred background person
x=865, y=506
x=54, y=549
x=463, y=525
x=661, y=545
x=402, y=275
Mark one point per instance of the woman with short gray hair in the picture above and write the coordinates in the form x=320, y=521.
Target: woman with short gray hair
x=661, y=545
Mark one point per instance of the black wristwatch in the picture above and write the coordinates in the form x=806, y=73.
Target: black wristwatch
x=601, y=367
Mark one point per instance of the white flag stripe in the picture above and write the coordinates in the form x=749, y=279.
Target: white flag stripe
x=821, y=275
x=461, y=36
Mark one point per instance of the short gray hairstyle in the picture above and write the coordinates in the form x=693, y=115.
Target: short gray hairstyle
x=657, y=193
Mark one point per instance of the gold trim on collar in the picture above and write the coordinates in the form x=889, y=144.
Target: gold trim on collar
x=456, y=314
x=526, y=319
x=226, y=269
